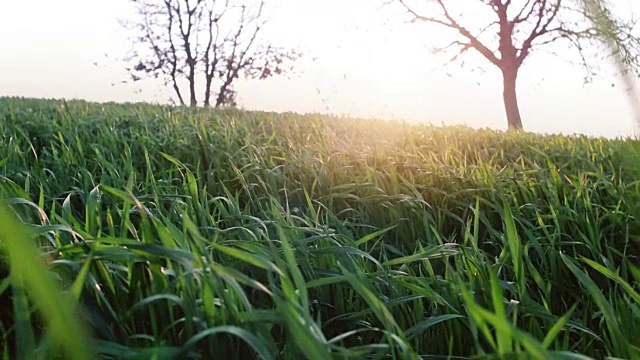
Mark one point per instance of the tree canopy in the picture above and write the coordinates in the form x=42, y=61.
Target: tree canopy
x=205, y=45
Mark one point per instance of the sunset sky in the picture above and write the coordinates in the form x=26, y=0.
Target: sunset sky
x=361, y=61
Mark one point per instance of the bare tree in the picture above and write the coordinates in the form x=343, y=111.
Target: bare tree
x=507, y=32
x=206, y=43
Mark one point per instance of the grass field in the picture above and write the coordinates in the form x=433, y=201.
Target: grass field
x=136, y=231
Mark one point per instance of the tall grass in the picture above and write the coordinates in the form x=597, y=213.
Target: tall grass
x=179, y=233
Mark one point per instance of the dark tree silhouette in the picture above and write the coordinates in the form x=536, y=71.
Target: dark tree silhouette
x=514, y=29
x=206, y=43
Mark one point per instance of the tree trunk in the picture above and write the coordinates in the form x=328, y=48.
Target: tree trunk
x=510, y=97
x=207, y=89
x=221, y=96
x=192, y=83
x=176, y=88
x=222, y=93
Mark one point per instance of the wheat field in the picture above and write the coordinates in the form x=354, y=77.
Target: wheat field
x=153, y=232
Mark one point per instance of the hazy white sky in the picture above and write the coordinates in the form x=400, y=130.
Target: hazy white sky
x=361, y=61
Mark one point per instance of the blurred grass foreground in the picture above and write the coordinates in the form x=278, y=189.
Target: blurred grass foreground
x=138, y=231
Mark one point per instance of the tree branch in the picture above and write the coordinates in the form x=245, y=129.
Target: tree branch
x=540, y=28
x=452, y=24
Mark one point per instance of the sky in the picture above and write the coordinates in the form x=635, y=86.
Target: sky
x=360, y=60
